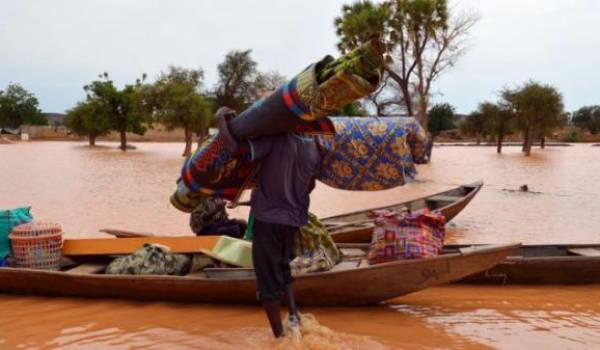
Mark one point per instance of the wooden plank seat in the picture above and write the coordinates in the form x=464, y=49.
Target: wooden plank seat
x=442, y=198
x=585, y=251
x=87, y=268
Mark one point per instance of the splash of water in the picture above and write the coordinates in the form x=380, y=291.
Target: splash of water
x=314, y=336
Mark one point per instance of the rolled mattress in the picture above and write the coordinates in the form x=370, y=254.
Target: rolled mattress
x=364, y=154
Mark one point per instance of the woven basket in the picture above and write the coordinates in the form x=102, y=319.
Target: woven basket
x=37, y=245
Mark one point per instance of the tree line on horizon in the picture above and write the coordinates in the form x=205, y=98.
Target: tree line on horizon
x=176, y=99
x=533, y=110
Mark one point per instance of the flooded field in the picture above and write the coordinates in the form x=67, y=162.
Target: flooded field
x=88, y=189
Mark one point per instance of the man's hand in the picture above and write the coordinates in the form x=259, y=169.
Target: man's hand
x=225, y=113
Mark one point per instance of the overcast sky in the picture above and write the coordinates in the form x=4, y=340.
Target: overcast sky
x=53, y=48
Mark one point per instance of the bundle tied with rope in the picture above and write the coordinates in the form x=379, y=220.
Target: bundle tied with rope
x=222, y=167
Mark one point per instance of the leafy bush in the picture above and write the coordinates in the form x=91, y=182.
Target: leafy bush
x=572, y=136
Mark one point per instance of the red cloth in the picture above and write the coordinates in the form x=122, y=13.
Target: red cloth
x=406, y=235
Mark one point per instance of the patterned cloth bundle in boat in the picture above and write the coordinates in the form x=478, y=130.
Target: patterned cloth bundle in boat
x=317, y=260
x=372, y=153
x=406, y=235
x=314, y=248
x=151, y=259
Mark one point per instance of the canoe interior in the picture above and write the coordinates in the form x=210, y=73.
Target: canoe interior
x=203, y=267
x=352, y=282
x=354, y=256
x=544, y=250
x=357, y=227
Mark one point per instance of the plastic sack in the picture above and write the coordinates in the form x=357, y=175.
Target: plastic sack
x=8, y=220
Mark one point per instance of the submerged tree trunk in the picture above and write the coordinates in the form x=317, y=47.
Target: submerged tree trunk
x=430, y=146
x=500, y=139
x=528, y=143
x=525, y=139
x=188, y=142
x=123, y=141
x=92, y=140
x=423, y=117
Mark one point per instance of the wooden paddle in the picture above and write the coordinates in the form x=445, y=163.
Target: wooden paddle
x=113, y=246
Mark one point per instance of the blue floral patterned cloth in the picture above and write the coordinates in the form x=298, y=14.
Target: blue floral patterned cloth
x=372, y=153
x=366, y=154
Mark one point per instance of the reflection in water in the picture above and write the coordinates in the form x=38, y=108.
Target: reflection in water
x=86, y=189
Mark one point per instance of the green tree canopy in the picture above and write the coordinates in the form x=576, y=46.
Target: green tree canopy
x=424, y=38
x=499, y=121
x=237, y=85
x=269, y=81
x=124, y=106
x=539, y=110
x=362, y=20
x=441, y=117
x=89, y=118
x=176, y=101
x=474, y=125
x=587, y=117
x=19, y=106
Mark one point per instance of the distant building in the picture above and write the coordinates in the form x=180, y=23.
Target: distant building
x=10, y=131
x=55, y=119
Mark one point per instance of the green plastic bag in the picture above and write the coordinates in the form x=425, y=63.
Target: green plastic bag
x=8, y=220
x=249, y=235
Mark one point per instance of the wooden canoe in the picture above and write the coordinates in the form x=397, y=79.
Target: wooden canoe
x=352, y=282
x=356, y=227
x=542, y=264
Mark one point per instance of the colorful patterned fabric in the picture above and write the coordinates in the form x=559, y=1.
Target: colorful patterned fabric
x=314, y=248
x=317, y=260
x=322, y=89
x=372, y=153
x=328, y=85
x=366, y=154
x=297, y=106
x=212, y=171
x=151, y=259
x=313, y=235
x=285, y=110
x=406, y=235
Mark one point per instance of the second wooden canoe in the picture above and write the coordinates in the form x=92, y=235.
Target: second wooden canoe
x=356, y=227
x=542, y=264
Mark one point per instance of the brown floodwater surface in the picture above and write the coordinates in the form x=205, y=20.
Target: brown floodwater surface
x=86, y=189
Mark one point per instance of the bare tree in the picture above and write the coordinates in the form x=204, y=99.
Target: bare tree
x=423, y=37
x=446, y=46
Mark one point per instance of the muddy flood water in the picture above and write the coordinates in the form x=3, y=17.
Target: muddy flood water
x=86, y=189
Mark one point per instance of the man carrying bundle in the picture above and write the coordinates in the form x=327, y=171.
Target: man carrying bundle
x=280, y=207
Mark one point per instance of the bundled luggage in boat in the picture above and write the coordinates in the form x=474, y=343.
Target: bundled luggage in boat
x=406, y=235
